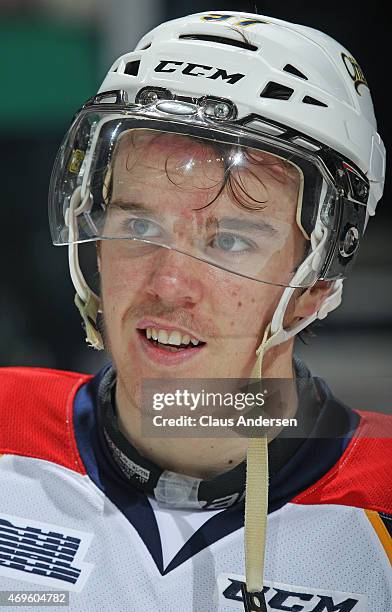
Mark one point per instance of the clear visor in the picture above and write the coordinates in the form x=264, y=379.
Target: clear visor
x=233, y=206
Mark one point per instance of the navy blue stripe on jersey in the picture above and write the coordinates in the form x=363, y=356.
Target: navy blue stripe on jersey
x=314, y=457
x=100, y=468
x=387, y=520
x=216, y=528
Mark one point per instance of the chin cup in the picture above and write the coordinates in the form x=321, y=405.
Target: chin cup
x=253, y=602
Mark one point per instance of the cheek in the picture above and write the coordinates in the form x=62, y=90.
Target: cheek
x=246, y=307
x=121, y=280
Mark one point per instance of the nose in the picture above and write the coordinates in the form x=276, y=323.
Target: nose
x=176, y=279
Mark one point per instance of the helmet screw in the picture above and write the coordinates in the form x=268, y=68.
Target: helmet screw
x=222, y=110
x=362, y=190
x=151, y=96
x=148, y=96
x=350, y=242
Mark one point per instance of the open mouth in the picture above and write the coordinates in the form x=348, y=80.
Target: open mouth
x=172, y=341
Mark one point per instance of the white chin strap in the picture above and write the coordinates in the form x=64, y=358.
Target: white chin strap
x=256, y=499
x=87, y=302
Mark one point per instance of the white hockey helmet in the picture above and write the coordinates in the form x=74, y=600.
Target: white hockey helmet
x=247, y=86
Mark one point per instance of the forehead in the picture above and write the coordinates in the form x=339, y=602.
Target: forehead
x=199, y=171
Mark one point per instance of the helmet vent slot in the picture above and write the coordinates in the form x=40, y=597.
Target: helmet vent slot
x=222, y=40
x=276, y=91
x=132, y=68
x=310, y=100
x=293, y=70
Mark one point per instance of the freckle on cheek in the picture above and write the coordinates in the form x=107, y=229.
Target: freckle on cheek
x=239, y=304
x=253, y=300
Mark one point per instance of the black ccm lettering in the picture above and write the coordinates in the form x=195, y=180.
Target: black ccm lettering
x=276, y=603
x=198, y=70
x=163, y=64
x=279, y=601
x=326, y=604
x=230, y=78
x=233, y=591
x=188, y=69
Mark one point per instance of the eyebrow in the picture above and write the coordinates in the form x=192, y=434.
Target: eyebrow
x=228, y=223
x=135, y=208
x=246, y=225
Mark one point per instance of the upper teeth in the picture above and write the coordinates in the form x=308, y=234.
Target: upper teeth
x=170, y=337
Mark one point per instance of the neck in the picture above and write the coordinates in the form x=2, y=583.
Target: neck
x=198, y=457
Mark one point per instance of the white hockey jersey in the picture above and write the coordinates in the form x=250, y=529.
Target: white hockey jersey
x=68, y=522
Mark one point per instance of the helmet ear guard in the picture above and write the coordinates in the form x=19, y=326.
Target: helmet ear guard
x=349, y=231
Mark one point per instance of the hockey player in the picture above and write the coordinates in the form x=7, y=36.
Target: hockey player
x=226, y=170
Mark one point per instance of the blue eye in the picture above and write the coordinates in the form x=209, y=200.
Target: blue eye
x=231, y=243
x=143, y=228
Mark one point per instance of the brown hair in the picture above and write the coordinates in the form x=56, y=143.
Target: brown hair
x=277, y=168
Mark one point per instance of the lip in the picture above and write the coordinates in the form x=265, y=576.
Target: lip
x=144, y=323
x=163, y=357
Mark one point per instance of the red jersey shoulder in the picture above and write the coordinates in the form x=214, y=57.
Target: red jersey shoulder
x=36, y=408
x=363, y=476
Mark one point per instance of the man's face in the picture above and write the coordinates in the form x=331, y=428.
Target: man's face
x=159, y=194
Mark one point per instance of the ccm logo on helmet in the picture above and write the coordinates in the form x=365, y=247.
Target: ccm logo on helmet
x=198, y=70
